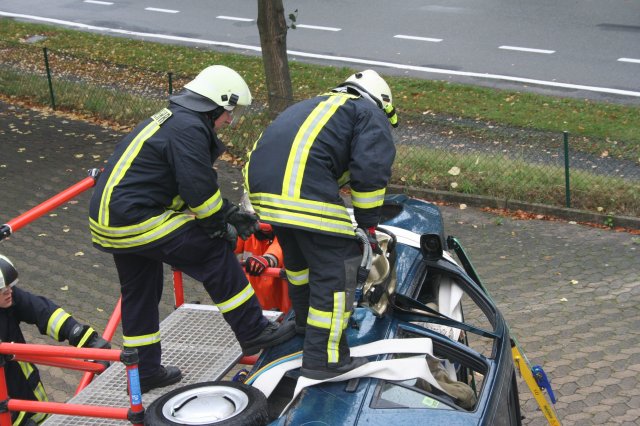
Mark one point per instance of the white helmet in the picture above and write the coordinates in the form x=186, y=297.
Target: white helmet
x=374, y=86
x=216, y=86
x=370, y=85
x=8, y=273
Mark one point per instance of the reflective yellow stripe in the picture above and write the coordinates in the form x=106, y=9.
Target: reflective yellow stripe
x=209, y=207
x=304, y=140
x=121, y=167
x=367, y=200
x=176, y=204
x=178, y=220
x=237, y=300
x=86, y=336
x=337, y=325
x=314, y=215
x=318, y=318
x=305, y=221
x=144, y=340
x=345, y=178
x=298, y=277
x=56, y=320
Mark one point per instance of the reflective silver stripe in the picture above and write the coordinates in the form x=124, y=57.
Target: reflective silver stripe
x=318, y=318
x=304, y=139
x=305, y=221
x=138, y=240
x=309, y=206
x=298, y=277
x=144, y=340
x=237, y=300
x=337, y=322
x=139, y=228
x=367, y=200
x=56, y=320
x=209, y=207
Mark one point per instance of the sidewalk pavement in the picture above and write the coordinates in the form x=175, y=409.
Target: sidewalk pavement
x=570, y=293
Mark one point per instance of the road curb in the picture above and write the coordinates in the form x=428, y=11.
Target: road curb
x=483, y=201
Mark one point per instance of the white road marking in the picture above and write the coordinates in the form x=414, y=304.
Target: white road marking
x=408, y=37
x=315, y=27
x=105, y=3
x=233, y=18
x=358, y=61
x=527, y=49
x=155, y=9
x=633, y=61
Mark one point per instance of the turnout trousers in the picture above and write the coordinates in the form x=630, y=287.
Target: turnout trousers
x=321, y=273
x=208, y=260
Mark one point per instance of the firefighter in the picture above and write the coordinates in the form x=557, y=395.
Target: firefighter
x=137, y=213
x=259, y=252
x=16, y=306
x=294, y=175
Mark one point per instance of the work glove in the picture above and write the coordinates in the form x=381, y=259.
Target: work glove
x=255, y=265
x=227, y=232
x=245, y=223
x=373, y=241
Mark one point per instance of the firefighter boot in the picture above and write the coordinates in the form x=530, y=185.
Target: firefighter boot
x=331, y=372
x=271, y=335
x=165, y=376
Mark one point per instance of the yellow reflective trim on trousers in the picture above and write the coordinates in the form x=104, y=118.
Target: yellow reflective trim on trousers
x=318, y=318
x=209, y=207
x=367, y=200
x=121, y=167
x=298, y=277
x=337, y=325
x=304, y=140
x=138, y=240
x=305, y=221
x=237, y=300
x=56, y=320
x=143, y=340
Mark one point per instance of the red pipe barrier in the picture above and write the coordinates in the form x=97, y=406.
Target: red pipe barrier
x=68, y=409
x=30, y=215
x=178, y=288
x=72, y=364
x=5, y=418
x=31, y=350
x=109, y=331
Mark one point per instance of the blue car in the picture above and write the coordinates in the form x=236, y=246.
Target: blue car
x=439, y=348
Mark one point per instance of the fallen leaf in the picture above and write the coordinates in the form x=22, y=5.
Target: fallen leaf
x=454, y=171
x=64, y=288
x=79, y=253
x=463, y=206
x=574, y=282
x=564, y=299
x=99, y=309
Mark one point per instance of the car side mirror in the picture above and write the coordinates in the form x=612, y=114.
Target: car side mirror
x=431, y=246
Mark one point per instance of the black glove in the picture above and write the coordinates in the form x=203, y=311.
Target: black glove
x=246, y=224
x=227, y=232
x=373, y=241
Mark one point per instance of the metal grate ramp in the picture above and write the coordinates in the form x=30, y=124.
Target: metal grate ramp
x=195, y=338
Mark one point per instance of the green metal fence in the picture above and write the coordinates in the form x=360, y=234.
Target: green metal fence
x=430, y=154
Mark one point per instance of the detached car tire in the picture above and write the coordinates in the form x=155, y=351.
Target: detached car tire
x=219, y=403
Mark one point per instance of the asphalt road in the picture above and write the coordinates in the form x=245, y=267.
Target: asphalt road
x=580, y=48
x=570, y=293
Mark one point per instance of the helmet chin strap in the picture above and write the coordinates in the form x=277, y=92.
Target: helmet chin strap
x=360, y=91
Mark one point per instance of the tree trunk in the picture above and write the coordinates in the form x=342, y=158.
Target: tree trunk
x=272, y=27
